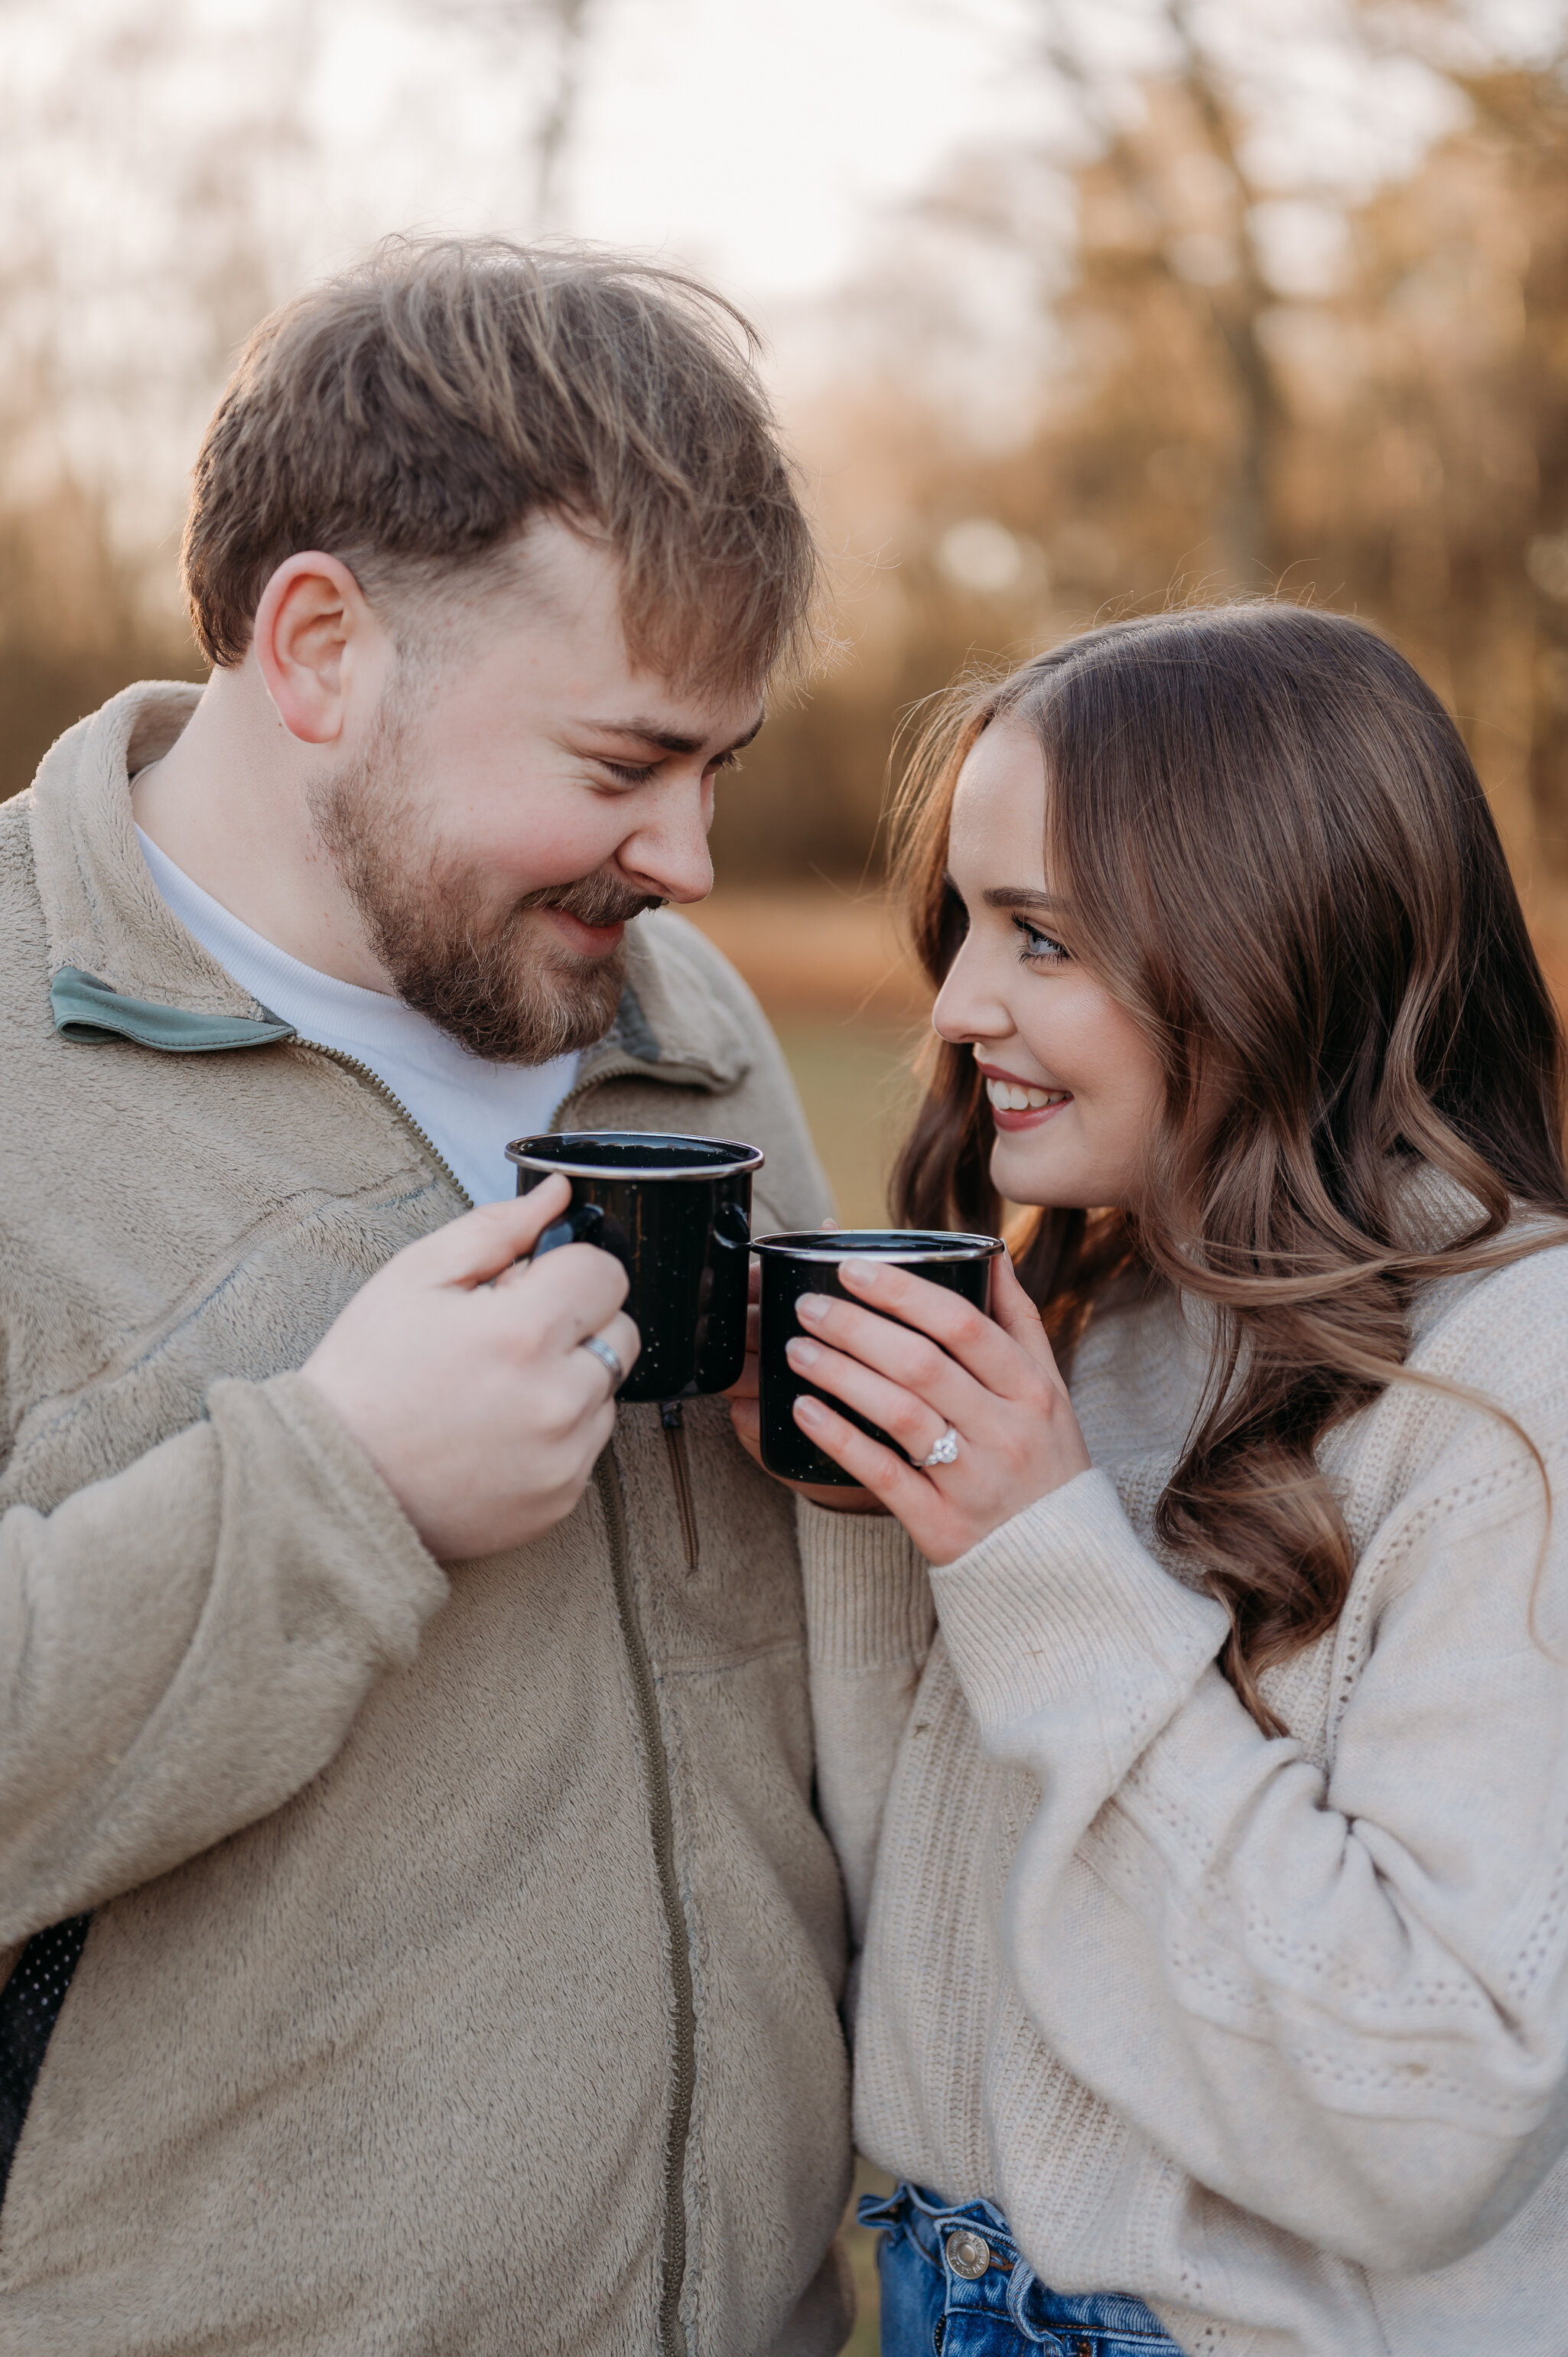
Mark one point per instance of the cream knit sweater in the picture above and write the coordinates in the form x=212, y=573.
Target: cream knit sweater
x=1274, y=2034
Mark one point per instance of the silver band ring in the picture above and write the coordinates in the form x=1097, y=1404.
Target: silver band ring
x=607, y=1359
x=944, y=1450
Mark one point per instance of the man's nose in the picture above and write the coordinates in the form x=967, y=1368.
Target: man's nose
x=669, y=853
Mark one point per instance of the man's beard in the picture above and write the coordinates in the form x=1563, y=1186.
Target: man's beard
x=504, y=988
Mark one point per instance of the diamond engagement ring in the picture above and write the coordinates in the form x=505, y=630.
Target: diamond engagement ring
x=607, y=1359
x=943, y=1452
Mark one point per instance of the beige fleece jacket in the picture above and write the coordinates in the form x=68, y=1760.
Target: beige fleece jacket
x=464, y=1966
x=1274, y=2034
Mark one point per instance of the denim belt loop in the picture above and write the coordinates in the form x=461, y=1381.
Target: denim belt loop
x=1020, y=2284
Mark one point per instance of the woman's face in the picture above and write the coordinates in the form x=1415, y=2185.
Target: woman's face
x=1075, y=1088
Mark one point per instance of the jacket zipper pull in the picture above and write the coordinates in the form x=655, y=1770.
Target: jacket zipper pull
x=672, y=1416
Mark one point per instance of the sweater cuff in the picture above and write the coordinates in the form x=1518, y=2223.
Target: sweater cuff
x=1062, y=1595
x=868, y=1590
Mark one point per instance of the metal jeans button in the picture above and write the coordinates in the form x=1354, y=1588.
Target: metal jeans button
x=969, y=2254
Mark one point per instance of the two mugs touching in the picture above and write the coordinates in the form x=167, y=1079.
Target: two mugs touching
x=676, y=1212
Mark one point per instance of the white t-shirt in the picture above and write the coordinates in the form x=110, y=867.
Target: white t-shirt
x=469, y=1109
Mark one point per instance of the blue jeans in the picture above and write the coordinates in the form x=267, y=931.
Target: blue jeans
x=954, y=2282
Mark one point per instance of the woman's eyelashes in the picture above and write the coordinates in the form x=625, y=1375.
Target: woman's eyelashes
x=1036, y=948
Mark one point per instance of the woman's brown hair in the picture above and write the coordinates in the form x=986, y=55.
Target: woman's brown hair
x=1280, y=862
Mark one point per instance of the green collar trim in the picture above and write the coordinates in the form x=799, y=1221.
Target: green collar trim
x=632, y=1030
x=87, y=1011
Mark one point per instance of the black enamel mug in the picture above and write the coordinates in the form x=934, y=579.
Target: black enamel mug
x=808, y=1262
x=676, y=1213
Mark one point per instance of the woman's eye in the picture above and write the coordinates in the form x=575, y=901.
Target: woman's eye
x=1038, y=948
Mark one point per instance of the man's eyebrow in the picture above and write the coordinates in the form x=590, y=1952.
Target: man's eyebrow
x=647, y=732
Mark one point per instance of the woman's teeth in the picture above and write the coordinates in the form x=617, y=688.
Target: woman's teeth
x=1007, y=1097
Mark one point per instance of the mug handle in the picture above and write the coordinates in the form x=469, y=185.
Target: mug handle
x=581, y=1223
x=732, y=1229
x=587, y=1223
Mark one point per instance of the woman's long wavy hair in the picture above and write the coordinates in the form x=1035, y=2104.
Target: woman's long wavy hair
x=1281, y=863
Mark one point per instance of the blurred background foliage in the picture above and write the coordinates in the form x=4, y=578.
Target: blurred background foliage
x=1365, y=405
x=1237, y=361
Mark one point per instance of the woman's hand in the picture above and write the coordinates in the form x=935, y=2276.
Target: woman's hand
x=745, y=1416
x=993, y=1380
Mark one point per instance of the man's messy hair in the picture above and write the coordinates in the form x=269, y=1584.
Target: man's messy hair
x=412, y=415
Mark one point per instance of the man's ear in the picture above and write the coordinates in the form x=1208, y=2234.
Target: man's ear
x=313, y=633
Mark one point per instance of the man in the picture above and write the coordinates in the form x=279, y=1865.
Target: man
x=422, y=1938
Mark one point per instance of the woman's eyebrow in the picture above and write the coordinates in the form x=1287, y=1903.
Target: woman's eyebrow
x=1016, y=895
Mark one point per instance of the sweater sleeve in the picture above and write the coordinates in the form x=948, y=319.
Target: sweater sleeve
x=188, y=1641
x=870, y=1620
x=1340, y=2002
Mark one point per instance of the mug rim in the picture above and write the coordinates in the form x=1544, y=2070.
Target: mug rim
x=534, y=1153
x=831, y=1244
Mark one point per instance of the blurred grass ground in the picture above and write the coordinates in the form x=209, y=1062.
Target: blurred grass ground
x=848, y=1010
x=858, y=1092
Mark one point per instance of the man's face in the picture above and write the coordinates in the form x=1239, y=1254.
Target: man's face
x=519, y=795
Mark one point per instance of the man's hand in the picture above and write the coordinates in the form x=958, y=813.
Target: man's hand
x=459, y=1376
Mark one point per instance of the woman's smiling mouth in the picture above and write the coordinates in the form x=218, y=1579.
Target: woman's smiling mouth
x=1018, y=1104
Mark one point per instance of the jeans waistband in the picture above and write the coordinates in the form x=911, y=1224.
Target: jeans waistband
x=972, y=2241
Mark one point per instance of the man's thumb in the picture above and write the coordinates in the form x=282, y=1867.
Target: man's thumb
x=485, y=1242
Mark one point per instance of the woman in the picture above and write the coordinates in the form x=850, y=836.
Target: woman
x=1196, y=1742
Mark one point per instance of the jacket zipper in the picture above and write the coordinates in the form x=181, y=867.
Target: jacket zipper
x=660, y=1809
x=613, y=1071
x=674, y=1422
x=363, y=1072
x=670, y=1414
x=671, y=2339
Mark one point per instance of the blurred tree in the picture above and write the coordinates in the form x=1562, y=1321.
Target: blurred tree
x=99, y=380
x=1522, y=118
x=1272, y=379
x=512, y=28
x=1256, y=307
x=1169, y=213
x=73, y=627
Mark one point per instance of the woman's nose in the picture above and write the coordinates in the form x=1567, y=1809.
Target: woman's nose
x=969, y=1007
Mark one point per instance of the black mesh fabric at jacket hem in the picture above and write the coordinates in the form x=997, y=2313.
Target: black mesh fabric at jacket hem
x=29, y=2008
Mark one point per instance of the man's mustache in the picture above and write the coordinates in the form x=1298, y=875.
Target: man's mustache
x=596, y=900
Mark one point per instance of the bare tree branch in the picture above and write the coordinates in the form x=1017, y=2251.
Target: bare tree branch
x=508, y=25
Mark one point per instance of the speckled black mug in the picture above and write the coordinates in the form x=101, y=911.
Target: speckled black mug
x=676, y=1213
x=808, y=1262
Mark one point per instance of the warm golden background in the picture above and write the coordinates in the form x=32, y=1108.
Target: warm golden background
x=1073, y=309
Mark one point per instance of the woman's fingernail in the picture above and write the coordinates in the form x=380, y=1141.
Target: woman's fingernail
x=812, y=1305
x=863, y=1272
x=808, y=1410
x=801, y=1353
